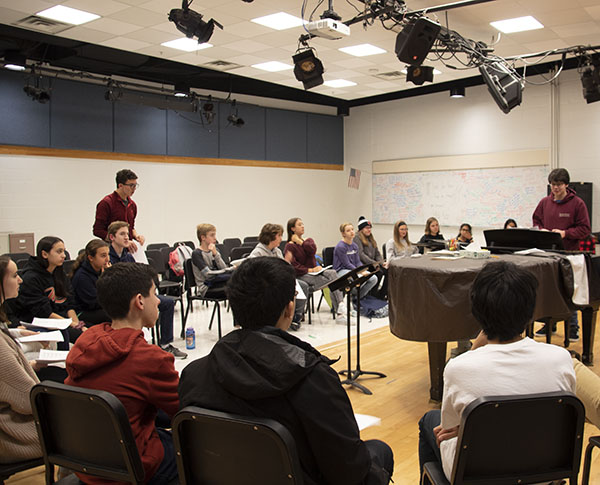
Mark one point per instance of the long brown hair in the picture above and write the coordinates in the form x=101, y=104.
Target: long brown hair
x=397, y=241
x=4, y=261
x=367, y=240
x=60, y=279
x=90, y=250
x=428, y=224
x=290, y=225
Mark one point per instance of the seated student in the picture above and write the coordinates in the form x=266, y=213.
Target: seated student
x=345, y=258
x=85, y=273
x=18, y=436
x=262, y=370
x=269, y=240
x=116, y=358
x=46, y=291
x=118, y=234
x=368, y=252
x=210, y=271
x=465, y=236
x=301, y=254
x=510, y=223
x=502, y=361
x=400, y=246
x=432, y=234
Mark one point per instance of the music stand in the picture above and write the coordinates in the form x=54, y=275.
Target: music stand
x=517, y=239
x=346, y=284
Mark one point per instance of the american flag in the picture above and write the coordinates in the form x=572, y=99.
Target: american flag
x=354, y=179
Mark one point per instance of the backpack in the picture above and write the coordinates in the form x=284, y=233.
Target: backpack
x=372, y=307
x=177, y=257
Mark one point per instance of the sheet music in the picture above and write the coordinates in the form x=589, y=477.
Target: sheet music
x=140, y=254
x=52, y=355
x=299, y=293
x=55, y=336
x=51, y=323
x=319, y=272
x=365, y=421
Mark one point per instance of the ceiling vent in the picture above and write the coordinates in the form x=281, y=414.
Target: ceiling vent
x=391, y=76
x=47, y=26
x=222, y=65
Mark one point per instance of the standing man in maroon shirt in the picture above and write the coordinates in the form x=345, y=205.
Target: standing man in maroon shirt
x=119, y=206
x=565, y=213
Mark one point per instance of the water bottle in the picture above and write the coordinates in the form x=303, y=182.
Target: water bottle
x=190, y=338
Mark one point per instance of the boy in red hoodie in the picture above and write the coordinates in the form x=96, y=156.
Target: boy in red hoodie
x=116, y=358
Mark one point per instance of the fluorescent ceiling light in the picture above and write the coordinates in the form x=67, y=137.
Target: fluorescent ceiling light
x=519, y=24
x=339, y=83
x=14, y=67
x=68, y=15
x=187, y=45
x=362, y=50
x=279, y=21
x=272, y=66
x=437, y=72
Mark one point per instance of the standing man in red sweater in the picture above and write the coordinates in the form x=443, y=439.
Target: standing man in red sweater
x=565, y=213
x=119, y=206
x=116, y=358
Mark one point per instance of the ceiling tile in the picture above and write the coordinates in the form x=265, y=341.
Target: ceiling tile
x=593, y=12
x=125, y=44
x=9, y=16
x=28, y=6
x=86, y=35
x=103, y=8
x=112, y=26
x=546, y=45
x=139, y=16
x=354, y=63
x=193, y=58
x=576, y=29
x=152, y=36
x=562, y=17
x=246, y=46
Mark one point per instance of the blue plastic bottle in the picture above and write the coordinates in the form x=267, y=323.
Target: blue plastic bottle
x=190, y=338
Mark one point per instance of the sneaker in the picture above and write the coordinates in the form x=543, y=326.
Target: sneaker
x=295, y=326
x=178, y=354
x=341, y=309
x=573, y=334
x=353, y=313
x=542, y=331
x=343, y=320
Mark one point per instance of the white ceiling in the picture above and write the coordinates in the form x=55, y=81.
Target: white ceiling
x=141, y=26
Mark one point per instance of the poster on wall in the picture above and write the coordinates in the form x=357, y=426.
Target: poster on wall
x=354, y=179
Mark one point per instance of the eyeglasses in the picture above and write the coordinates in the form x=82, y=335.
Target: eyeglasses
x=133, y=186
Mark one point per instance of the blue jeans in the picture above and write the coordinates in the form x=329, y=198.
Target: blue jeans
x=167, y=471
x=428, y=448
x=166, y=309
x=366, y=286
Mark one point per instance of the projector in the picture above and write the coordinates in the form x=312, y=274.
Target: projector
x=328, y=29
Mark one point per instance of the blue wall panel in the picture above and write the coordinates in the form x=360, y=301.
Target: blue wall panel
x=187, y=137
x=23, y=121
x=247, y=142
x=81, y=117
x=325, y=139
x=286, y=136
x=140, y=129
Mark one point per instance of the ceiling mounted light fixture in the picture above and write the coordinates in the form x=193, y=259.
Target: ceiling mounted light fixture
x=190, y=23
x=458, y=92
x=590, y=82
x=208, y=110
x=14, y=61
x=234, y=118
x=308, y=68
x=182, y=90
x=419, y=74
x=68, y=15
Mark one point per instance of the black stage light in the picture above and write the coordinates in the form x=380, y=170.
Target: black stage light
x=590, y=81
x=419, y=74
x=414, y=42
x=235, y=120
x=503, y=85
x=37, y=94
x=208, y=110
x=308, y=68
x=191, y=24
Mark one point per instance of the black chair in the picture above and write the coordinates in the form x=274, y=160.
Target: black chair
x=158, y=246
x=222, y=449
x=9, y=469
x=384, y=252
x=165, y=286
x=21, y=263
x=251, y=239
x=86, y=431
x=187, y=243
x=535, y=438
x=327, y=261
x=16, y=257
x=222, y=250
x=190, y=284
x=68, y=266
x=240, y=252
x=230, y=243
x=282, y=246
x=587, y=464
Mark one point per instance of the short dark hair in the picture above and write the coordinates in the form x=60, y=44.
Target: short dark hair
x=510, y=221
x=119, y=283
x=259, y=291
x=124, y=175
x=559, y=175
x=503, y=299
x=269, y=233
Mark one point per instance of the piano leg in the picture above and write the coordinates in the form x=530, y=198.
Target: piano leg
x=437, y=362
x=588, y=323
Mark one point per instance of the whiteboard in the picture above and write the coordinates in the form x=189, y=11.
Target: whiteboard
x=482, y=197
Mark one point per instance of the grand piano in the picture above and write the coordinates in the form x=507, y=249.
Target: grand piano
x=429, y=302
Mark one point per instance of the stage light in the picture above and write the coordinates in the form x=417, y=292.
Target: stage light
x=458, y=92
x=37, y=94
x=14, y=61
x=419, y=74
x=414, y=42
x=308, y=69
x=234, y=118
x=191, y=24
x=208, y=110
x=504, y=86
x=590, y=81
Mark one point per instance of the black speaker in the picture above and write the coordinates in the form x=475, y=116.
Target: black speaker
x=415, y=41
x=503, y=85
x=584, y=191
x=419, y=74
